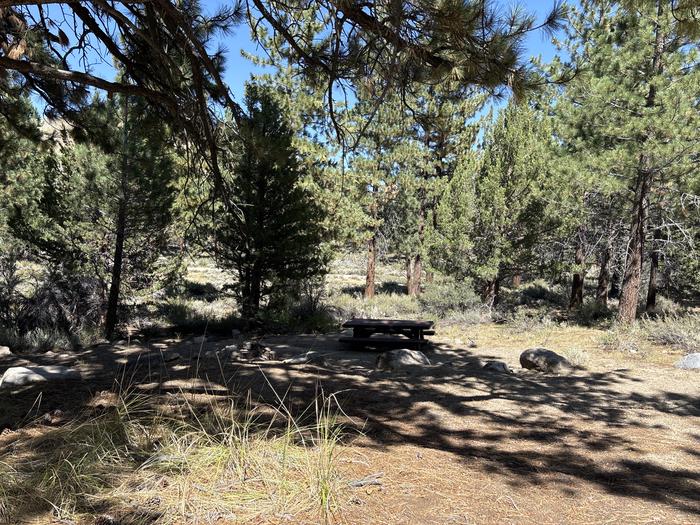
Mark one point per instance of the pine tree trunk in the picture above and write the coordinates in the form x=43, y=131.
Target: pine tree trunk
x=614, y=291
x=415, y=268
x=252, y=305
x=490, y=292
x=653, y=274
x=632, y=277
x=577, y=281
x=601, y=293
x=112, y=314
x=371, y=266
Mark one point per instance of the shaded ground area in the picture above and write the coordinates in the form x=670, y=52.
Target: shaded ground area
x=455, y=443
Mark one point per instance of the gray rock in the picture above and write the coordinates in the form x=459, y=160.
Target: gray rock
x=5, y=351
x=27, y=375
x=169, y=357
x=689, y=362
x=401, y=358
x=544, y=360
x=199, y=340
x=235, y=332
x=497, y=366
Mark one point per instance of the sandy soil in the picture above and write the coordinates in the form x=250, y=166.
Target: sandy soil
x=616, y=442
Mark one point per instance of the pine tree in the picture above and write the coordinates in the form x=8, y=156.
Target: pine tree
x=275, y=237
x=500, y=205
x=630, y=115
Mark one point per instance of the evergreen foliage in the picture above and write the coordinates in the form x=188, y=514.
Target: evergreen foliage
x=270, y=228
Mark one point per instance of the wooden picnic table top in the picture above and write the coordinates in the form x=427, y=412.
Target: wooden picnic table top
x=388, y=323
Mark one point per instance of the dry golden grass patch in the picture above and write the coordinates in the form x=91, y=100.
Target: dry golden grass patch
x=180, y=461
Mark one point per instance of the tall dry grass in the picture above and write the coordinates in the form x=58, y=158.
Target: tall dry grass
x=190, y=459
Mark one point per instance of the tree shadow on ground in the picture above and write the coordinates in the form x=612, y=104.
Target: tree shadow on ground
x=591, y=427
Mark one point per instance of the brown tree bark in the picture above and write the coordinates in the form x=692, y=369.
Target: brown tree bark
x=632, y=277
x=415, y=268
x=490, y=292
x=653, y=274
x=371, y=266
x=577, y=281
x=112, y=314
x=601, y=293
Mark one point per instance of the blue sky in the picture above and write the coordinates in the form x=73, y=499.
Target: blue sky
x=239, y=69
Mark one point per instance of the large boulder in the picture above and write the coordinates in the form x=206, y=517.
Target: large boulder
x=544, y=360
x=689, y=362
x=26, y=375
x=401, y=358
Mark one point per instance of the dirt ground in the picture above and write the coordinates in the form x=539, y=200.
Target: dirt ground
x=617, y=441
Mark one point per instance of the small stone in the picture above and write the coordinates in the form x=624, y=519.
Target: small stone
x=544, y=360
x=5, y=351
x=472, y=343
x=314, y=358
x=689, y=362
x=497, y=366
x=54, y=417
x=235, y=332
x=199, y=340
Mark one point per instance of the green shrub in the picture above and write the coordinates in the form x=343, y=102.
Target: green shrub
x=302, y=308
x=442, y=298
x=676, y=331
x=530, y=321
x=380, y=306
x=591, y=312
x=193, y=315
x=540, y=291
x=622, y=338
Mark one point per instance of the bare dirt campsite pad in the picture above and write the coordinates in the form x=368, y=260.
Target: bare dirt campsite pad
x=615, y=441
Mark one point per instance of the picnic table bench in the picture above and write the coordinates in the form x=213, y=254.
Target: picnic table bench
x=396, y=333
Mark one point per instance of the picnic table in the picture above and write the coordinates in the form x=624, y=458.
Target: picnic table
x=395, y=332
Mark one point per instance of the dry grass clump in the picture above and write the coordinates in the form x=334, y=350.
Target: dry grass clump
x=183, y=462
x=577, y=356
x=681, y=332
x=625, y=339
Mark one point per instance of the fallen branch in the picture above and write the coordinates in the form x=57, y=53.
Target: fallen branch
x=372, y=479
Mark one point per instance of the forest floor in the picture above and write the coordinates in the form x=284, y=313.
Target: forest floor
x=616, y=441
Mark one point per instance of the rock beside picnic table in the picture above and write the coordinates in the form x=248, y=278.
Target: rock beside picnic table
x=544, y=360
x=689, y=362
x=26, y=375
x=401, y=358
